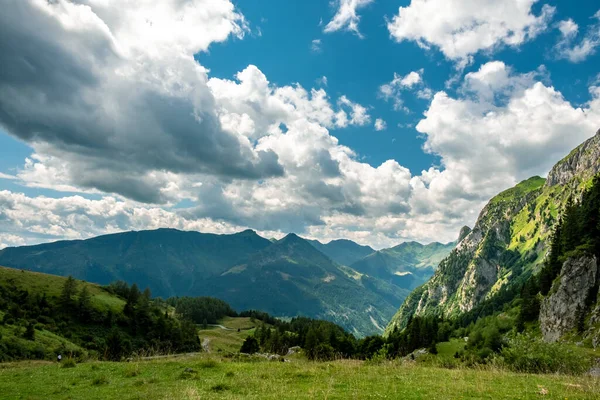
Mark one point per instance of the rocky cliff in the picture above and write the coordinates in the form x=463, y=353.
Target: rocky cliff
x=579, y=166
x=562, y=310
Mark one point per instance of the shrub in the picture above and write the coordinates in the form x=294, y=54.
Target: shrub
x=100, y=380
x=528, y=354
x=206, y=364
x=324, y=352
x=250, y=345
x=69, y=363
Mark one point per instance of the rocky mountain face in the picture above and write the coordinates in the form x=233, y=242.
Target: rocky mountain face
x=561, y=311
x=579, y=166
x=508, y=243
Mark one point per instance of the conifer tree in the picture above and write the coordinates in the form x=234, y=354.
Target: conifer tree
x=67, y=293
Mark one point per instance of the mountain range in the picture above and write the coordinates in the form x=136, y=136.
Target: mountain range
x=341, y=281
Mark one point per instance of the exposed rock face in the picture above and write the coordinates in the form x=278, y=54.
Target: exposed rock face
x=583, y=163
x=464, y=232
x=561, y=310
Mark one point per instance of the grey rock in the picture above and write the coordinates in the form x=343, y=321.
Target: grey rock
x=583, y=163
x=560, y=311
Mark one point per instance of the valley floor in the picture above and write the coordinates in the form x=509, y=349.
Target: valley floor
x=208, y=376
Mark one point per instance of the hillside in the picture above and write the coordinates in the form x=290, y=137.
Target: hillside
x=509, y=242
x=291, y=278
x=43, y=315
x=407, y=265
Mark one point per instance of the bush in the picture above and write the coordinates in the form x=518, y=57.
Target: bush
x=532, y=355
x=69, y=363
x=324, y=352
x=250, y=345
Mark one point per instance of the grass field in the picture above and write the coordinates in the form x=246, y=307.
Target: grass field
x=228, y=341
x=210, y=376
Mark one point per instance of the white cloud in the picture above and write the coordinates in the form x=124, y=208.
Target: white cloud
x=380, y=125
x=137, y=118
x=315, y=46
x=568, y=28
x=120, y=93
x=569, y=49
x=393, y=89
x=503, y=128
x=358, y=114
x=7, y=177
x=346, y=16
x=461, y=28
x=425, y=93
x=322, y=81
x=512, y=128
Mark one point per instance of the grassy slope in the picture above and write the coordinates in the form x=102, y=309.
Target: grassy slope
x=38, y=283
x=228, y=341
x=35, y=282
x=216, y=378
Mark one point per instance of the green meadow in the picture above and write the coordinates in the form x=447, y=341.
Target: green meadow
x=208, y=376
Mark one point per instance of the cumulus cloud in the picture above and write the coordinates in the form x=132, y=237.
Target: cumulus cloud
x=117, y=93
x=569, y=48
x=507, y=128
x=393, y=89
x=502, y=127
x=380, y=125
x=138, y=117
x=461, y=28
x=346, y=16
x=30, y=220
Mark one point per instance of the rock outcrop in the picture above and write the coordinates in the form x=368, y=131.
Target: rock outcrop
x=562, y=310
x=464, y=232
x=581, y=165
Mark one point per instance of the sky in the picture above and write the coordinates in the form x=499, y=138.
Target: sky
x=379, y=121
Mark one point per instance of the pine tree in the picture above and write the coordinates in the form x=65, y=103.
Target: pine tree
x=29, y=332
x=250, y=346
x=68, y=291
x=570, y=229
x=133, y=298
x=84, y=302
x=310, y=343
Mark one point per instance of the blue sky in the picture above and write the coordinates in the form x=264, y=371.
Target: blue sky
x=118, y=150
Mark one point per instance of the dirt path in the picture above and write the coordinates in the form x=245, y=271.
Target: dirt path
x=222, y=327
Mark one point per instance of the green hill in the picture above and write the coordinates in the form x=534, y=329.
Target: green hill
x=43, y=315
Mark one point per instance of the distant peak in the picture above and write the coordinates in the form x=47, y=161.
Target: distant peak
x=247, y=232
x=292, y=236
